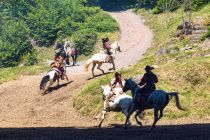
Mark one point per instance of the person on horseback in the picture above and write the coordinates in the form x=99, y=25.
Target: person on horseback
x=56, y=65
x=148, y=82
x=116, y=82
x=106, y=45
x=60, y=52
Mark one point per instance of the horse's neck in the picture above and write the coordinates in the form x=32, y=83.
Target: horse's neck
x=113, y=52
x=134, y=88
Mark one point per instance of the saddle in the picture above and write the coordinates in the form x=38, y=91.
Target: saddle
x=142, y=98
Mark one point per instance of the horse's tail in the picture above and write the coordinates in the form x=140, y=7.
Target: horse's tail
x=87, y=64
x=175, y=94
x=44, y=80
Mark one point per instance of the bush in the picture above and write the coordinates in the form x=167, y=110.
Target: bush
x=101, y=22
x=197, y=4
x=85, y=40
x=14, y=42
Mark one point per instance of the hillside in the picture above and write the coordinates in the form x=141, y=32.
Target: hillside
x=179, y=69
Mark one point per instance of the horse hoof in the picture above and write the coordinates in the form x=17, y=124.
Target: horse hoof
x=139, y=123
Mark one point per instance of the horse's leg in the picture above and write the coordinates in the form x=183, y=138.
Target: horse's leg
x=113, y=68
x=131, y=110
x=58, y=81
x=102, y=118
x=99, y=67
x=136, y=117
x=72, y=56
x=125, y=111
x=66, y=77
x=75, y=57
x=113, y=64
x=161, y=113
x=155, y=118
x=94, y=64
x=96, y=117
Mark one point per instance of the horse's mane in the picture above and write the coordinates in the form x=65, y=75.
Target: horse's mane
x=132, y=82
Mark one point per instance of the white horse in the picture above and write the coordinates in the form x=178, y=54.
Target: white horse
x=102, y=57
x=120, y=102
x=158, y=100
x=70, y=51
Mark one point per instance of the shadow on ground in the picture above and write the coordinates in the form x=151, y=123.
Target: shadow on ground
x=189, y=132
x=99, y=75
x=51, y=89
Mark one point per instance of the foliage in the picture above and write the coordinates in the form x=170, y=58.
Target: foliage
x=14, y=42
x=87, y=37
x=44, y=22
x=186, y=72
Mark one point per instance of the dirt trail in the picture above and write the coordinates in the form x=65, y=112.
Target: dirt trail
x=22, y=107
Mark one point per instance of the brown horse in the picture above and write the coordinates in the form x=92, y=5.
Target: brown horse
x=71, y=51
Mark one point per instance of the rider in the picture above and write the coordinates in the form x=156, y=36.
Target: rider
x=60, y=52
x=148, y=82
x=116, y=82
x=106, y=45
x=56, y=65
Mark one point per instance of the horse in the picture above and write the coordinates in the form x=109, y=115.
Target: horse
x=53, y=75
x=120, y=103
x=157, y=100
x=102, y=57
x=71, y=51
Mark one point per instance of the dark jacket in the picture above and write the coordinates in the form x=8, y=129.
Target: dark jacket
x=149, y=80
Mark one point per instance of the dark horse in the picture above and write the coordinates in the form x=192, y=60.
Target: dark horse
x=158, y=100
x=71, y=51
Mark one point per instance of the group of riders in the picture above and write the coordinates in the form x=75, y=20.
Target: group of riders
x=147, y=84
x=61, y=56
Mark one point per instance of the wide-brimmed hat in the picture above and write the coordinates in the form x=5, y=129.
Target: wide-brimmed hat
x=148, y=68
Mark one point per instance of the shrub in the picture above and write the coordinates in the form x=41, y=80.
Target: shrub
x=85, y=40
x=14, y=42
x=101, y=22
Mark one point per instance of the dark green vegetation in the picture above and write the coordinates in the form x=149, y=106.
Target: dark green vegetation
x=44, y=22
x=29, y=28
x=185, y=71
x=156, y=5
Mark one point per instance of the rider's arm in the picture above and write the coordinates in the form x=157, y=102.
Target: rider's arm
x=143, y=81
x=156, y=78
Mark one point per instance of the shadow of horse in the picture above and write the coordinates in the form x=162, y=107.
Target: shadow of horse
x=51, y=89
x=99, y=75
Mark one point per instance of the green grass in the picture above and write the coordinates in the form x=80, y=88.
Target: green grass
x=187, y=72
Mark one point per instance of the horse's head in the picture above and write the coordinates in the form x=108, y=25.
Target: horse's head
x=106, y=91
x=67, y=44
x=116, y=46
x=129, y=83
x=126, y=86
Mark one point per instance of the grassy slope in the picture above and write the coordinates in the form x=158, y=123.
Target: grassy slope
x=178, y=71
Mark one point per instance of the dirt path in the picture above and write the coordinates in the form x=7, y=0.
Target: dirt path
x=23, y=111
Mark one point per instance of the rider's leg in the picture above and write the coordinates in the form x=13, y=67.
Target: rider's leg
x=107, y=107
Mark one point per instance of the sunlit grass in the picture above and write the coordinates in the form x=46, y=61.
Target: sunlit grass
x=186, y=72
